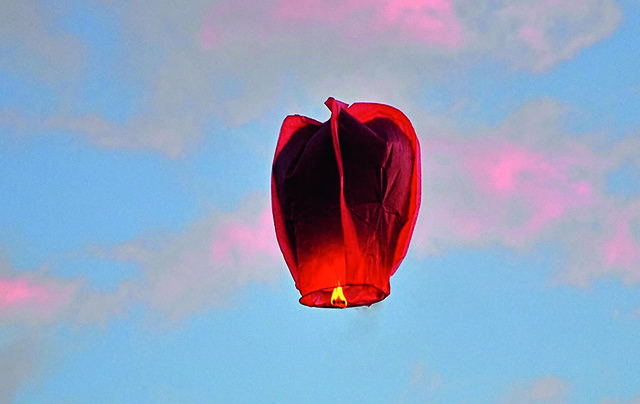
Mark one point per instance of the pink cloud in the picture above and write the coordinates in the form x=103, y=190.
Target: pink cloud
x=622, y=249
x=201, y=267
x=334, y=11
x=428, y=21
x=14, y=292
x=431, y=22
x=33, y=300
x=245, y=240
x=518, y=188
x=534, y=37
x=210, y=34
x=208, y=38
x=511, y=172
x=205, y=265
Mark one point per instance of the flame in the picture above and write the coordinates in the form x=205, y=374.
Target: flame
x=337, y=297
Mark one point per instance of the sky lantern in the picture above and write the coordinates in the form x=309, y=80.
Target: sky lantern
x=345, y=197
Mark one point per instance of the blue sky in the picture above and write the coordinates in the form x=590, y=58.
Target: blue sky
x=137, y=256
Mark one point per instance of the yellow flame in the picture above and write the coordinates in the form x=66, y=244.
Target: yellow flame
x=337, y=297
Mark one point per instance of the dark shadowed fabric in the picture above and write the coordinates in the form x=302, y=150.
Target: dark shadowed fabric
x=345, y=198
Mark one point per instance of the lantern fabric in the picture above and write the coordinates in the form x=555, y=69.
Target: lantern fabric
x=345, y=197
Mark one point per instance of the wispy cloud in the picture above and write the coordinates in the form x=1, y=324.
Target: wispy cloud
x=20, y=362
x=424, y=385
x=202, y=267
x=191, y=62
x=548, y=389
x=33, y=298
x=541, y=34
x=431, y=22
x=33, y=45
x=619, y=401
x=622, y=249
x=526, y=181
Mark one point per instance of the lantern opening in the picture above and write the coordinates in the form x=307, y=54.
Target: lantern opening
x=353, y=295
x=337, y=297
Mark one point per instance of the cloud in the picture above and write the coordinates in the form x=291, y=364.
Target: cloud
x=232, y=62
x=523, y=182
x=32, y=43
x=548, y=389
x=203, y=267
x=423, y=385
x=518, y=184
x=431, y=22
x=528, y=181
x=159, y=134
x=622, y=248
x=538, y=35
x=617, y=401
x=21, y=360
x=32, y=298
x=530, y=35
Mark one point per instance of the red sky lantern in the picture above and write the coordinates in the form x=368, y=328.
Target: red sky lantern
x=345, y=197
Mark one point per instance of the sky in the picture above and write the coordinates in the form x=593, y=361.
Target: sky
x=138, y=260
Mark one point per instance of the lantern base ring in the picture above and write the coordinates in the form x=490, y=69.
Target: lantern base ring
x=355, y=295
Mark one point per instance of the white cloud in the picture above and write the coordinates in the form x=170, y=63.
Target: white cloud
x=545, y=390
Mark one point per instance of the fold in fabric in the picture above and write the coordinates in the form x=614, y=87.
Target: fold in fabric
x=345, y=198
